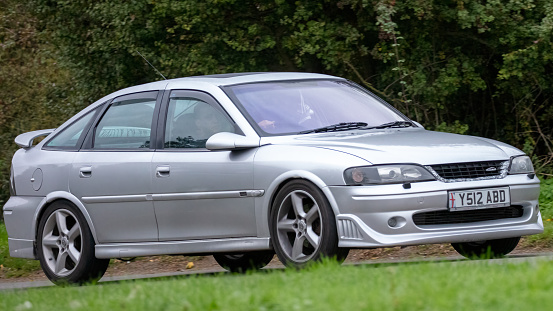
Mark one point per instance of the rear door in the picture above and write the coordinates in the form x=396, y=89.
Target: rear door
x=111, y=173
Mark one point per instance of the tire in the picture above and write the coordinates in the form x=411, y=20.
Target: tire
x=486, y=249
x=303, y=226
x=244, y=262
x=65, y=246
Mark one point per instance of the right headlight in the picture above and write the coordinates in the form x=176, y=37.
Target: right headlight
x=521, y=165
x=386, y=174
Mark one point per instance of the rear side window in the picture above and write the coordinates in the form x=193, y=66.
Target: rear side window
x=126, y=125
x=71, y=136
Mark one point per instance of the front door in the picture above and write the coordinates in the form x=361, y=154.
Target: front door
x=197, y=193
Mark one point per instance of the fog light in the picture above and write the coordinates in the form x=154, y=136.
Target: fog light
x=396, y=222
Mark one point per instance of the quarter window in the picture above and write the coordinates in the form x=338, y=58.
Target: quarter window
x=70, y=136
x=126, y=125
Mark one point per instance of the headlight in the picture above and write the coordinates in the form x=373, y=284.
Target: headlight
x=386, y=174
x=521, y=165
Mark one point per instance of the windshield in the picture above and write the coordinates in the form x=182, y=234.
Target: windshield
x=291, y=107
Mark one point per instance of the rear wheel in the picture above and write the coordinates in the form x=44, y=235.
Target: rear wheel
x=65, y=246
x=303, y=225
x=486, y=249
x=244, y=262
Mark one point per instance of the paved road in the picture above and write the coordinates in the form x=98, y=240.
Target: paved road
x=453, y=260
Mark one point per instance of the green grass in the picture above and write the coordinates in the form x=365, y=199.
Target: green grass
x=9, y=266
x=480, y=285
x=546, y=198
x=546, y=207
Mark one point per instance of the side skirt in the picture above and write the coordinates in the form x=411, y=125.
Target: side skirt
x=119, y=250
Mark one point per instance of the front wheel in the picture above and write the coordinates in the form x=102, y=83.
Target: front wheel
x=486, y=249
x=65, y=246
x=245, y=261
x=303, y=225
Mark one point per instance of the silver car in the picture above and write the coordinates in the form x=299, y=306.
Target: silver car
x=246, y=165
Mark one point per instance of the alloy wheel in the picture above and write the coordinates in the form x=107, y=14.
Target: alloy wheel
x=299, y=226
x=62, y=242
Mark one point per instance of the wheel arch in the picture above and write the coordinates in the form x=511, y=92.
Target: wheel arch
x=56, y=197
x=289, y=176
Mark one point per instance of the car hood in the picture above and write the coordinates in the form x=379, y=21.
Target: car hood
x=408, y=146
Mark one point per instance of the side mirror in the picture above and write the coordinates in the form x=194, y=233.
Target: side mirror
x=230, y=141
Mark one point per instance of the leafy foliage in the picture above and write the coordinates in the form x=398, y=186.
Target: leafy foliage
x=465, y=66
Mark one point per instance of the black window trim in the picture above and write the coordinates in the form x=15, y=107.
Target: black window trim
x=81, y=139
x=88, y=144
x=201, y=95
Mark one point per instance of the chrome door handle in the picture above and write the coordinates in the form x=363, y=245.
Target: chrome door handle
x=163, y=171
x=85, y=172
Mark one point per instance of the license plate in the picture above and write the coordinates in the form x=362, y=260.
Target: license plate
x=478, y=199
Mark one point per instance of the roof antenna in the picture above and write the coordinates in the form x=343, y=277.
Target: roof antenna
x=152, y=66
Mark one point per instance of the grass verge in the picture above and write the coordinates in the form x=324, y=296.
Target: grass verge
x=480, y=285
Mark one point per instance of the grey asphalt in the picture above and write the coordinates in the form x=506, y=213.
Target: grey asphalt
x=517, y=258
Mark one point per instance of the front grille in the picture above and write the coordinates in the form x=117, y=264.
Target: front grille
x=470, y=170
x=446, y=217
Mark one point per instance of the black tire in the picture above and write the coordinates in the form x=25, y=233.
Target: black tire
x=303, y=226
x=57, y=249
x=245, y=261
x=486, y=249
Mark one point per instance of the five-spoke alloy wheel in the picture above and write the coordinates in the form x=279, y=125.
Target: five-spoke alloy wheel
x=303, y=226
x=65, y=246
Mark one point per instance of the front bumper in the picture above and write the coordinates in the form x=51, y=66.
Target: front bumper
x=365, y=211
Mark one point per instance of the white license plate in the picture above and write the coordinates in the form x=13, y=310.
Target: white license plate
x=478, y=198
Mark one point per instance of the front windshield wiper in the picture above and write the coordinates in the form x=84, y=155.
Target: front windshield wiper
x=391, y=124
x=344, y=126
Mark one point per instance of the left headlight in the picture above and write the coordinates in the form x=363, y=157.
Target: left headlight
x=521, y=165
x=386, y=174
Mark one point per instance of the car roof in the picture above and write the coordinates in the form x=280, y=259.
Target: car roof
x=250, y=77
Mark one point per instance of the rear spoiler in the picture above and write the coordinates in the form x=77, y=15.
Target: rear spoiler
x=25, y=140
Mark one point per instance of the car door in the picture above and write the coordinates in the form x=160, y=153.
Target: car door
x=111, y=173
x=198, y=193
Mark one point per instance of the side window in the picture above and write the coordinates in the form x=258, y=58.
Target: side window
x=191, y=121
x=125, y=125
x=70, y=136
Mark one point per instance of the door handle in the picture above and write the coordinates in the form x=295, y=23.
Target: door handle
x=85, y=172
x=163, y=171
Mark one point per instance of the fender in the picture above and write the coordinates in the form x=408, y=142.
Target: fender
x=263, y=228
x=57, y=195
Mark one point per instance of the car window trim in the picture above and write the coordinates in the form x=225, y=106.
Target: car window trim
x=84, y=133
x=201, y=95
x=88, y=145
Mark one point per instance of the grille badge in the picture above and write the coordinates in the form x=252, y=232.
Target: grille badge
x=491, y=169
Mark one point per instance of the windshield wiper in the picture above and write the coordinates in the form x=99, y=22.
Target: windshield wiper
x=396, y=124
x=344, y=126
